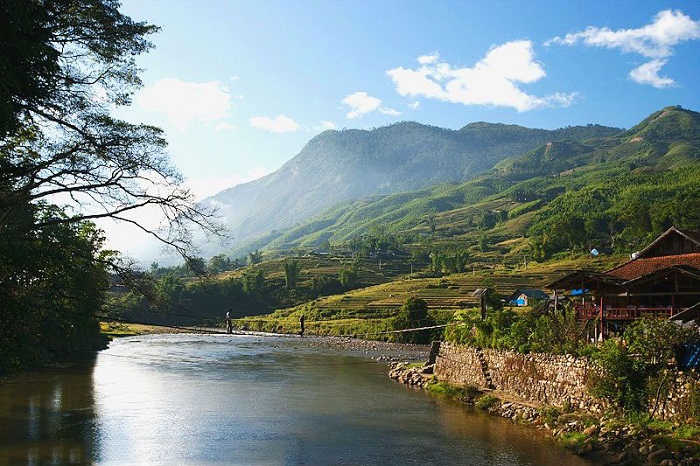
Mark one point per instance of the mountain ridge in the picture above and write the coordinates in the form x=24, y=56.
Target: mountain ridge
x=525, y=184
x=337, y=166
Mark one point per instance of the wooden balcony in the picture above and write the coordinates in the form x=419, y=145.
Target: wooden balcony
x=590, y=312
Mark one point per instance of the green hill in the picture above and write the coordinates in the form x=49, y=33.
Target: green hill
x=613, y=191
x=341, y=166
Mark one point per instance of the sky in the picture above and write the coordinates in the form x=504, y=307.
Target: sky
x=239, y=86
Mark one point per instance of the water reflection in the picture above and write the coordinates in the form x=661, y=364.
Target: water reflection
x=245, y=400
x=48, y=417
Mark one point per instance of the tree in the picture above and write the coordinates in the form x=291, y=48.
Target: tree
x=348, y=276
x=219, y=263
x=68, y=63
x=254, y=257
x=64, y=162
x=254, y=282
x=51, y=282
x=413, y=314
x=292, y=271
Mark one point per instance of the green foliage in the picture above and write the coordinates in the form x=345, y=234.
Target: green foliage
x=450, y=261
x=486, y=402
x=573, y=440
x=533, y=331
x=48, y=293
x=413, y=314
x=654, y=339
x=349, y=276
x=292, y=271
x=254, y=257
x=549, y=414
x=219, y=263
x=623, y=379
x=454, y=392
x=254, y=282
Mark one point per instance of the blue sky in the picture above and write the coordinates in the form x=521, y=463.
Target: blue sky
x=241, y=86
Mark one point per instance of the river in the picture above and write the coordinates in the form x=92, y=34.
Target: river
x=246, y=400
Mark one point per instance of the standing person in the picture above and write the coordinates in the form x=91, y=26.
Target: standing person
x=229, y=326
x=301, y=325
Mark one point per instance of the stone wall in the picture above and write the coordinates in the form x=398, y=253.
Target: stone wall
x=459, y=365
x=538, y=378
x=553, y=380
x=680, y=391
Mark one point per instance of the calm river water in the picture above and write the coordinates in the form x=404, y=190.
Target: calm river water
x=246, y=400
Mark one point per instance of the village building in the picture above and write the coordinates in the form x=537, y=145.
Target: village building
x=662, y=280
x=526, y=297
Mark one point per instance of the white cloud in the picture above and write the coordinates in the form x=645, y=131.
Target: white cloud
x=184, y=102
x=414, y=105
x=655, y=40
x=428, y=59
x=361, y=103
x=326, y=125
x=389, y=111
x=494, y=80
x=224, y=126
x=648, y=73
x=279, y=124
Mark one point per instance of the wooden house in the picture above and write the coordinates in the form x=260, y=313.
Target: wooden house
x=662, y=280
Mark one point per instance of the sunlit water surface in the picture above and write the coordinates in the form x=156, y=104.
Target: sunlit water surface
x=247, y=400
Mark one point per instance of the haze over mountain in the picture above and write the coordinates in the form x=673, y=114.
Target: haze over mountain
x=338, y=166
x=628, y=186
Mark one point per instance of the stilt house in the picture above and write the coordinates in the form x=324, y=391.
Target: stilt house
x=662, y=280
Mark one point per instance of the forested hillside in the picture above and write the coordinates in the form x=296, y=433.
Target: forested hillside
x=530, y=216
x=338, y=166
x=610, y=192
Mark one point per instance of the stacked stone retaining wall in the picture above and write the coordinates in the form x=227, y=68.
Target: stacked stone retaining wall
x=539, y=378
x=679, y=396
x=555, y=380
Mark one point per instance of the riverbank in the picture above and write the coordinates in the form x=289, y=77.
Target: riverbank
x=608, y=439
x=378, y=350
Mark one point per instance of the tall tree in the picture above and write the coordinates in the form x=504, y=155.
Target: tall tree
x=65, y=161
x=70, y=62
x=292, y=271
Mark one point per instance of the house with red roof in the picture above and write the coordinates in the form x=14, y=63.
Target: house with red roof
x=662, y=280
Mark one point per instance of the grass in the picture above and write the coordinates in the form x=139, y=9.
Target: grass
x=573, y=440
x=119, y=329
x=454, y=392
x=486, y=402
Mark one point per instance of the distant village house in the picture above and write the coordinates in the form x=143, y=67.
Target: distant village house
x=527, y=297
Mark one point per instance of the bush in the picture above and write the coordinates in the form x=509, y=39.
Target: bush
x=486, y=402
x=413, y=314
x=623, y=380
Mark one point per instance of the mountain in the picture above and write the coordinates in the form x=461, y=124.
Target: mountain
x=339, y=166
x=623, y=185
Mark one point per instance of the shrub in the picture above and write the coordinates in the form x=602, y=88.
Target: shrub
x=486, y=402
x=413, y=314
x=622, y=381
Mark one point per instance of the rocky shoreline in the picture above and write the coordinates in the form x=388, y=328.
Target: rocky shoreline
x=378, y=350
x=605, y=440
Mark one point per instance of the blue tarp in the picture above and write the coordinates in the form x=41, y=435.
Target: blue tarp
x=687, y=356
